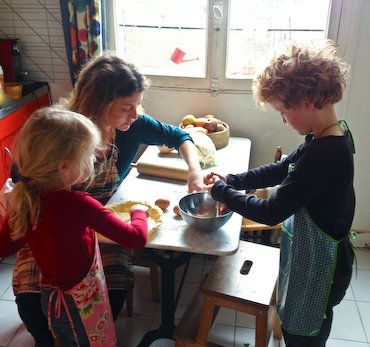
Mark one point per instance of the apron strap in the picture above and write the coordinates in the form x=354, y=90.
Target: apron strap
x=59, y=301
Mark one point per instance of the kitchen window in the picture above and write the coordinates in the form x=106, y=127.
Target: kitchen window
x=212, y=45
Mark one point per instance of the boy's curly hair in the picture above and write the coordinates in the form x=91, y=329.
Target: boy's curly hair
x=303, y=73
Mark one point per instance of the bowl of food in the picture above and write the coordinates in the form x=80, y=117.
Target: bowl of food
x=217, y=130
x=200, y=211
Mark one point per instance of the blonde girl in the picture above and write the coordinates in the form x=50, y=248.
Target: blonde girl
x=55, y=150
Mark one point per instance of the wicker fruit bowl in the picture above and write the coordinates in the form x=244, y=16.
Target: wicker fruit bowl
x=220, y=138
x=217, y=130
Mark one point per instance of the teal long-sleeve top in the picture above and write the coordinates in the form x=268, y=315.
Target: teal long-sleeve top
x=145, y=130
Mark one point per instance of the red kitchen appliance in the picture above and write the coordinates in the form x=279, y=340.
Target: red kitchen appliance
x=10, y=60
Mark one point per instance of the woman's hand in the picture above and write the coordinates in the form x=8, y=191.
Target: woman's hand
x=195, y=181
x=188, y=152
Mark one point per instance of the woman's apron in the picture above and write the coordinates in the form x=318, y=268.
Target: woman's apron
x=308, y=258
x=90, y=298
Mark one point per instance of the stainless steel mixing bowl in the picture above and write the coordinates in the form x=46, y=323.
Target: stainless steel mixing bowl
x=202, y=212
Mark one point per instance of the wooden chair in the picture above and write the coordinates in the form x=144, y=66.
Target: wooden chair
x=245, y=282
x=266, y=234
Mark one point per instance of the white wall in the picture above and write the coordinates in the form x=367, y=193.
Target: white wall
x=357, y=106
x=264, y=128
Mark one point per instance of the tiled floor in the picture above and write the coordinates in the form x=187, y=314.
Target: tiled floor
x=351, y=326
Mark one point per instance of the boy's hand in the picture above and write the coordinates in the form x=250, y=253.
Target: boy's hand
x=213, y=177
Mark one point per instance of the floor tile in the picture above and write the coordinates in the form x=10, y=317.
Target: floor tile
x=226, y=317
x=344, y=343
x=364, y=308
x=245, y=320
x=130, y=330
x=10, y=321
x=349, y=294
x=6, y=272
x=232, y=329
x=22, y=338
x=10, y=260
x=223, y=335
x=8, y=294
x=347, y=323
x=245, y=337
x=360, y=285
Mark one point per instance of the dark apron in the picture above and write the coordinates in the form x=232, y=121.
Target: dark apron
x=308, y=259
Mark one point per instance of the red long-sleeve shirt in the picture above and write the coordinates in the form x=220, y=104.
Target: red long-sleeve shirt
x=63, y=243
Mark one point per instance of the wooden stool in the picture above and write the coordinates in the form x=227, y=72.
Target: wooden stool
x=243, y=282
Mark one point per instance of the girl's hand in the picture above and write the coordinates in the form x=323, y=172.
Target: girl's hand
x=140, y=207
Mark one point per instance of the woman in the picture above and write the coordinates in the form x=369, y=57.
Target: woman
x=109, y=91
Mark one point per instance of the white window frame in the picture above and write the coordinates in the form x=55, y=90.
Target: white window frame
x=215, y=81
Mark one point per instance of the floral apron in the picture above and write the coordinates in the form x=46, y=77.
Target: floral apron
x=90, y=299
x=308, y=259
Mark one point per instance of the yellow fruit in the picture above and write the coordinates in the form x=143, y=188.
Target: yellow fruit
x=188, y=119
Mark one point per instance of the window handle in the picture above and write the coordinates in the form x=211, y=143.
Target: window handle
x=218, y=15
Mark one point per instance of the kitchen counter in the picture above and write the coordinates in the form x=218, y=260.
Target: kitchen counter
x=31, y=92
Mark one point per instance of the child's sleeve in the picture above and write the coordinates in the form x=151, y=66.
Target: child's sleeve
x=131, y=235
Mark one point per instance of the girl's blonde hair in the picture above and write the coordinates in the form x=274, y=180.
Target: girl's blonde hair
x=304, y=72
x=100, y=82
x=49, y=137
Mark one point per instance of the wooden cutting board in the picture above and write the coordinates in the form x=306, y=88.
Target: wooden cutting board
x=171, y=165
x=166, y=165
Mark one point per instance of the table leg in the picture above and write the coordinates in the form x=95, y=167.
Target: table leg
x=168, y=261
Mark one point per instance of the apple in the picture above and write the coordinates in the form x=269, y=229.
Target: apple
x=211, y=125
x=188, y=119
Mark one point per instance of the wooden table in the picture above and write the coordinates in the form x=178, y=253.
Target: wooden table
x=179, y=240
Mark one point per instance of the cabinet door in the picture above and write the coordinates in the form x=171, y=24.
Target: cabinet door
x=2, y=167
x=9, y=128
